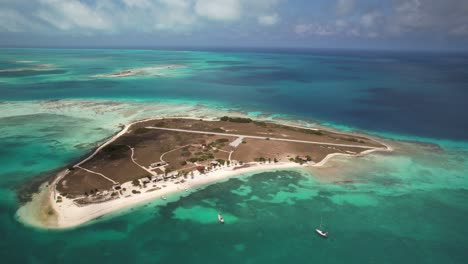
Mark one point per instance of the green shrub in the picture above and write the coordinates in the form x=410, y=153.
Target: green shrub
x=160, y=124
x=260, y=123
x=236, y=119
x=114, y=148
x=193, y=160
x=218, y=130
x=313, y=132
x=136, y=182
x=141, y=130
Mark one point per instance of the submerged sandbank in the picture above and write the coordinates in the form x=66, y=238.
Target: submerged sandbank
x=159, y=70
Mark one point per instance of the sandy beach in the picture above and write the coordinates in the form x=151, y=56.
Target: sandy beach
x=68, y=214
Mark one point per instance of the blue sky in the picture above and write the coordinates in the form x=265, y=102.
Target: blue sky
x=363, y=24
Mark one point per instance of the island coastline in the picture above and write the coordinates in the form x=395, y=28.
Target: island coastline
x=67, y=214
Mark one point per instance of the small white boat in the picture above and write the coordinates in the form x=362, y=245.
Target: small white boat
x=164, y=197
x=319, y=230
x=321, y=233
x=220, y=218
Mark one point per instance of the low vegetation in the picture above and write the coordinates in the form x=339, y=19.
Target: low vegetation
x=160, y=124
x=353, y=140
x=302, y=130
x=114, y=148
x=185, y=152
x=136, y=182
x=218, y=130
x=260, y=159
x=219, y=143
x=236, y=119
x=260, y=123
x=141, y=130
x=201, y=156
x=301, y=160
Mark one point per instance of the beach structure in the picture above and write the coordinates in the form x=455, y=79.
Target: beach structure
x=157, y=178
x=158, y=164
x=236, y=142
x=145, y=181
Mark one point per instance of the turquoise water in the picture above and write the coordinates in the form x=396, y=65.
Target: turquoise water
x=406, y=207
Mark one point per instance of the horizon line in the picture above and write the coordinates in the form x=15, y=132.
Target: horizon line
x=235, y=48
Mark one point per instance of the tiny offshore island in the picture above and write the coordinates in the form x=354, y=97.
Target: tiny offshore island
x=153, y=158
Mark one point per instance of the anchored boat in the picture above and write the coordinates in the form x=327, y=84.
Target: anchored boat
x=320, y=231
x=220, y=218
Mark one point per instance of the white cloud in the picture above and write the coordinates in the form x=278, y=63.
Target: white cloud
x=138, y=3
x=11, y=20
x=406, y=15
x=344, y=7
x=72, y=14
x=218, y=9
x=268, y=20
x=400, y=18
x=114, y=16
x=301, y=29
x=261, y=4
x=353, y=32
x=366, y=26
x=460, y=30
x=173, y=15
x=370, y=19
x=314, y=29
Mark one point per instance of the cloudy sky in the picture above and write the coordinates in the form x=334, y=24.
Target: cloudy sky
x=384, y=24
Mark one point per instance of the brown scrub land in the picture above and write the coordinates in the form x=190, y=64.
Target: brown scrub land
x=162, y=148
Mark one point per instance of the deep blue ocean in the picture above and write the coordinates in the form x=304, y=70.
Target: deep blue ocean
x=407, y=207
x=422, y=94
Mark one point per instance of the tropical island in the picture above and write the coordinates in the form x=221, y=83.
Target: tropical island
x=150, y=159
